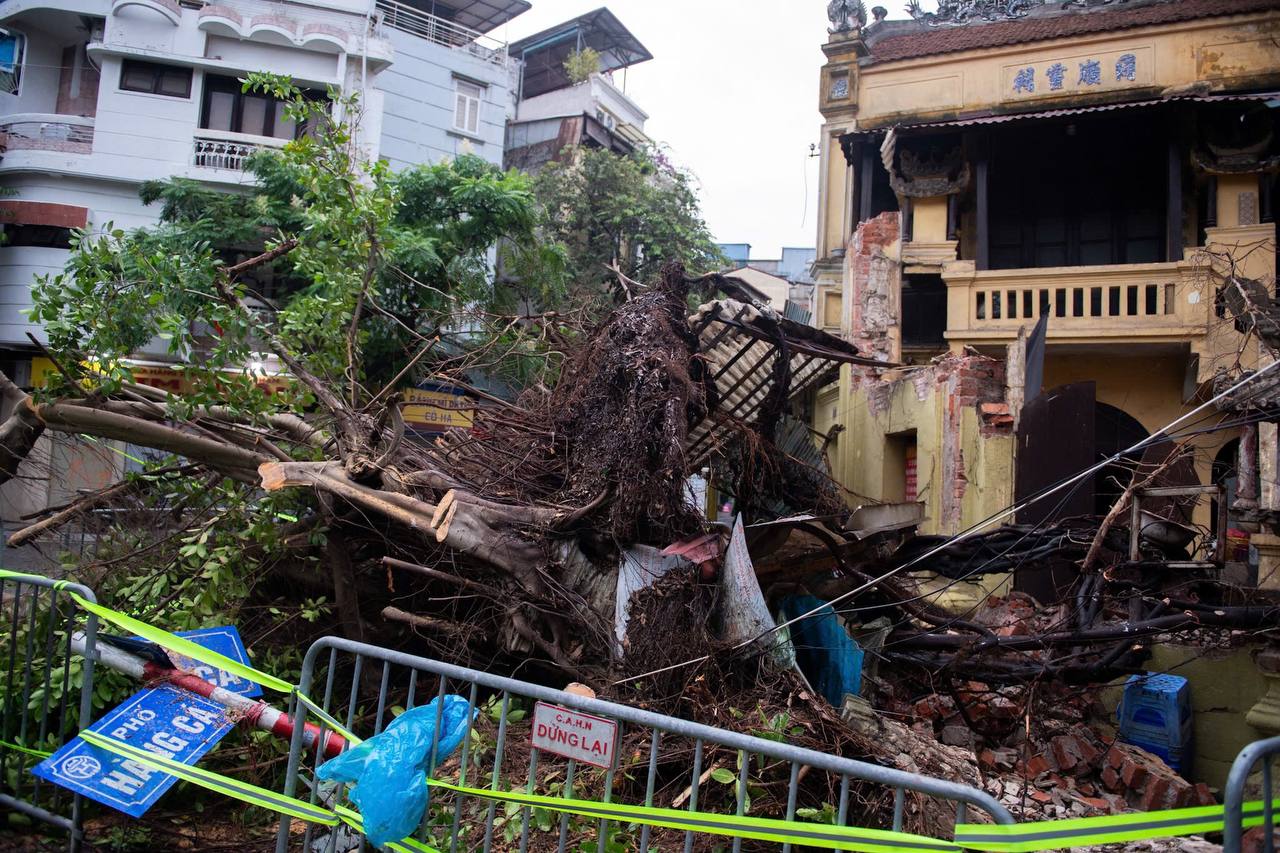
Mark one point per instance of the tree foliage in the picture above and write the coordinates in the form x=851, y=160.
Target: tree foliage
x=581, y=64
x=636, y=210
x=392, y=258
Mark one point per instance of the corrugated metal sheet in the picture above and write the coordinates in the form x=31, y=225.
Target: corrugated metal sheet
x=1069, y=111
x=798, y=314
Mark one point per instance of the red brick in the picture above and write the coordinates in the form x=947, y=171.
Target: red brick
x=1156, y=795
x=1111, y=779
x=1088, y=751
x=1203, y=796
x=1063, y=753
x=43, y=213
x=1036, y=765
x=1095, y=803
x=1041, y=797
x=1133, y=774
x=1115, y=758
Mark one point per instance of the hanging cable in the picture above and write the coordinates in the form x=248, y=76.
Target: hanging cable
x=1156, y=438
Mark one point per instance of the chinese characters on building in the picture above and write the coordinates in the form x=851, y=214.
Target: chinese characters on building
x=1089, y=73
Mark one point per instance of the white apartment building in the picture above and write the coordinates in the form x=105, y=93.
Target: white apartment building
x=97, y=96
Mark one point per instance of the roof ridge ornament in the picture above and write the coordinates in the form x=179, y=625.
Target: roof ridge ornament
x=969, y=11
x=846, y=15
x=966, y=11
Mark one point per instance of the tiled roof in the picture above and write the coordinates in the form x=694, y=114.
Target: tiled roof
x=951, y=39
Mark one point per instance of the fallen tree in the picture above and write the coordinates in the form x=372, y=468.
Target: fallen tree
x=516, y=528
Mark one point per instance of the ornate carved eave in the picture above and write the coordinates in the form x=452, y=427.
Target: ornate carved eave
x=930, y=173
x=1238, y=145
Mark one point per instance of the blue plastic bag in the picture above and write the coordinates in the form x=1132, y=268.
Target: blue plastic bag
x=388, y=772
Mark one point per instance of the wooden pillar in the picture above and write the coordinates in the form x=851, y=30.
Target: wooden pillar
x=866, y=173
x=981, y=179
x=1173, y=217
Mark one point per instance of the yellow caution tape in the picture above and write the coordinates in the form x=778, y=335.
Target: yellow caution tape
x=163, y=638
x=1019, y=838
x=1108, y=829
x=328, y=719
x=34, y=753
x=243, y=791
x=824, y=836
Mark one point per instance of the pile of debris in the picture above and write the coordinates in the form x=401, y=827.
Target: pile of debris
x=558, y=536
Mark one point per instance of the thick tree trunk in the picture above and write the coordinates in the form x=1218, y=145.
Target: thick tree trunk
x=20, y=430
x=345, y=597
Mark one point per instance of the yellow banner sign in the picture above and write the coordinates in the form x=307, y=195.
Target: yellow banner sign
x=437, y=411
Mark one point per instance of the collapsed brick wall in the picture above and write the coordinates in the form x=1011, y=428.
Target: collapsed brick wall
x=967, y=381
x=971, y=381
x=963, y=382
x=874, y=279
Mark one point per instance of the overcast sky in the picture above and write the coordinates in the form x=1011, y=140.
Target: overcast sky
x=733, y=90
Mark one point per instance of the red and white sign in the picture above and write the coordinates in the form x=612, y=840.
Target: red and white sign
x=575, y=735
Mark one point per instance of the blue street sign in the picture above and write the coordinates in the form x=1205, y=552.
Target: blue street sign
x=165, y=720
x=226, y=642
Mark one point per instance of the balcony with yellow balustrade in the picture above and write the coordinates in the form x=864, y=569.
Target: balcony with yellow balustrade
x=1125, y=303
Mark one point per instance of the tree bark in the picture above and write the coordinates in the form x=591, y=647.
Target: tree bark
x=345, y=597
x=20, y=430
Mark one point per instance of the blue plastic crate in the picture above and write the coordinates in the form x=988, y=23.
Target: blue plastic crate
x=1151, y=729
x=1156, y=710
x=1177, y=757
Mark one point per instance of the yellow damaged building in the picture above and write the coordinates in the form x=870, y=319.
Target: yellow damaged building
x=1035, y=210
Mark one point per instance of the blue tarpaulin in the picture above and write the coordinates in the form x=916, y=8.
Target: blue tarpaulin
x=827, y=655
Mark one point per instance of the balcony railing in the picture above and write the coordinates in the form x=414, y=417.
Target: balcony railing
x=47, y=132
x=1127, y=301
x=398, y=16
x=216, y=150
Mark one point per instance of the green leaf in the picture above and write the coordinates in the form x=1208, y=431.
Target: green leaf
x=724, y=776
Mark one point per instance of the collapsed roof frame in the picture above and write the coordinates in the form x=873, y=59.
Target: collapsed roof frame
x=742, y=341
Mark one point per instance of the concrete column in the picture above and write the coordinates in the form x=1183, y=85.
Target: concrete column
x=1268, y=546
x=1265, y=716
x=1247, y=470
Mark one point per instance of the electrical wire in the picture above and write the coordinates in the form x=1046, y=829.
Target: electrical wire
x=1159, y=437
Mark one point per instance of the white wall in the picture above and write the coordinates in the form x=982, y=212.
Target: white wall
x=418, y=105
x=110, y=204
x=585, y=97
x=38, y=86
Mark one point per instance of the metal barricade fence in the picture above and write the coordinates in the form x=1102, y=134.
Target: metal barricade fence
x=1233, y=798
x=41, y=704
x=660, y=760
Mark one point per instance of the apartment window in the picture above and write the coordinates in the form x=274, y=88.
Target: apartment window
x=12, y=50
x=153, y=78
x=36, y=236
x=228, y=107
x=466, y=110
